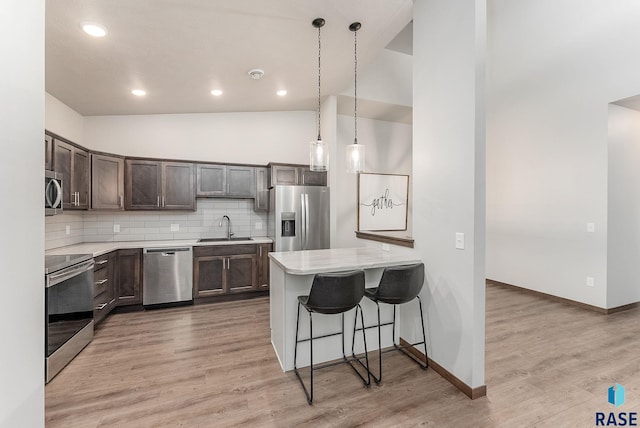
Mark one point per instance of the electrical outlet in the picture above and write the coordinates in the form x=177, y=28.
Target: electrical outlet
x=385, y=247
x=67, y=229
x=590, y=281
x=258, y=225
x=591, y=227
x=116, y=228
x=175, y=227
x=460, y=241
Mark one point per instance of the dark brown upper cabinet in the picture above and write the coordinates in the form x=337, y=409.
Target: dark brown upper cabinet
x=75, y=166
x=107, y=182
x=217, y=180
x=159, y=185
x=261, y=202
x=301, y=175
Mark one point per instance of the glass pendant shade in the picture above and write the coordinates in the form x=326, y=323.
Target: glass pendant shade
x=318, y=156
x=355, y=158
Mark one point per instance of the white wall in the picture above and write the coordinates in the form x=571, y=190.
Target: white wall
x=388, y=150
x=223, y=137
x=21, y=178
x=623, y=217
x=553, y=69
x=62, y=120
x=448, y=178
x=388, y=78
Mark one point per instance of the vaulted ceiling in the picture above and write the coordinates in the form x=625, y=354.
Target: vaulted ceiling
x=179, y=50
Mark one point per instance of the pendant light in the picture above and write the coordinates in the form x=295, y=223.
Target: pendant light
x=318, y=151
x=355, y=151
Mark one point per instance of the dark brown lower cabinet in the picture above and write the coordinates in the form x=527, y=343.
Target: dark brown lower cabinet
x=224, y=269
x=263, y=265
x=104, y=285
x=129, y=289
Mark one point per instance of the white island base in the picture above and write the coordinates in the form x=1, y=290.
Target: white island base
x=291, y=276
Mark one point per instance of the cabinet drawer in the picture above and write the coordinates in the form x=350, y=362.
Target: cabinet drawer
x=100, y=285
x=224, y=250
x=101, y=262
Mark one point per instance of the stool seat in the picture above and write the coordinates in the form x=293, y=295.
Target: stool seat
x=332, y=293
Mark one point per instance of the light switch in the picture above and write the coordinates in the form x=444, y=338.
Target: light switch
x=385, y=247
x=590, y=281
x=116, y=228
x=591, y=227
x=460, y=241
x=258, y=225
x=175, y=227
x=67, y=229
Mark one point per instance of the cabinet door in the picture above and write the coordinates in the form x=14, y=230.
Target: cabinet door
x=107, y=182
x=312, y=178
x=81, y=178
x=62, y=158
x=129, y=277
x=241, y=181
x=48, y=149
x=211, y=180
x=261, y=202
x=209, y=273
x=178, y=186
x=263, y=266
x=281, y=174
x=142, y=184
x=241, y=273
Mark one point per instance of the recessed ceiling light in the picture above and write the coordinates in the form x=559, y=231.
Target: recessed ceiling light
x=94, y=30
x=216, y=92
x=139, y=92
x=281, y=92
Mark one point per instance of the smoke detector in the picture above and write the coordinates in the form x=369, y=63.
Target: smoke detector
x=256, y=74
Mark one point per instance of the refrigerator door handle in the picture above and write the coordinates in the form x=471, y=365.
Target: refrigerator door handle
x=306, y=221
x=303, y=221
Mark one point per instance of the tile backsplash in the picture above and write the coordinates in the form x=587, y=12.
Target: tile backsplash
x=104, y=226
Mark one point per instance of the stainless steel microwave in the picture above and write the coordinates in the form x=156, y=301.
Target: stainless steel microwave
x=52, y=193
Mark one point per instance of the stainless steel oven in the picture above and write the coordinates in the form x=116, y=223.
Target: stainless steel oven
x=68, y=309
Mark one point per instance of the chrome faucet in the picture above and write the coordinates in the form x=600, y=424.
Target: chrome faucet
x=229, y=232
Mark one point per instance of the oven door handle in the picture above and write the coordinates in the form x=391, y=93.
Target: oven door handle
x=58, y=277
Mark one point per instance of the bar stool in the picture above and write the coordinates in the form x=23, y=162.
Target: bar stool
x=398, y=285
x=332, y=293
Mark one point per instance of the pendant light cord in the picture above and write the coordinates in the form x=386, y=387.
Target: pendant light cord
x=355, y=87
x=319, y=137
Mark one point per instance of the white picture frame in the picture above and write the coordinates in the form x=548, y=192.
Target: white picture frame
x=382, y=202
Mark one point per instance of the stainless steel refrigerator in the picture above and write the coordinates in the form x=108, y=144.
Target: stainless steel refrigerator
x=298, y=217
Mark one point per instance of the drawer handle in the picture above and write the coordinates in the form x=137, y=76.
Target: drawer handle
x=102, y=281
x=101, y=307
x=101, y=262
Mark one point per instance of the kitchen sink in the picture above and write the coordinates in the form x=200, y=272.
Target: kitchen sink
x=234, y=238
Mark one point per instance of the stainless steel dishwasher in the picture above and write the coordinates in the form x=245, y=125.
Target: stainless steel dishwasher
x=168, y=276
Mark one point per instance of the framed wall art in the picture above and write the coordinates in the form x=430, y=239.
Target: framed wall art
x=382, y=202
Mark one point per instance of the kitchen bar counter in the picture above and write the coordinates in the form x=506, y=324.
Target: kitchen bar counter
x=291, y=276
x=338, y=259
x=100, y=248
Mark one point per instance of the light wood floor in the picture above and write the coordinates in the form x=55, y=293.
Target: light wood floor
x=547, y=365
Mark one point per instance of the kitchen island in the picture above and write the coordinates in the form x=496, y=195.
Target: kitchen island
x=292, y=273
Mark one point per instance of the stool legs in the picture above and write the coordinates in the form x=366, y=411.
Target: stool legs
x=309, y=393
x=396, y=345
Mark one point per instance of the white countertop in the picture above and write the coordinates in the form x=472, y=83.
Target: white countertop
x=99, y=248
x=338, y=259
